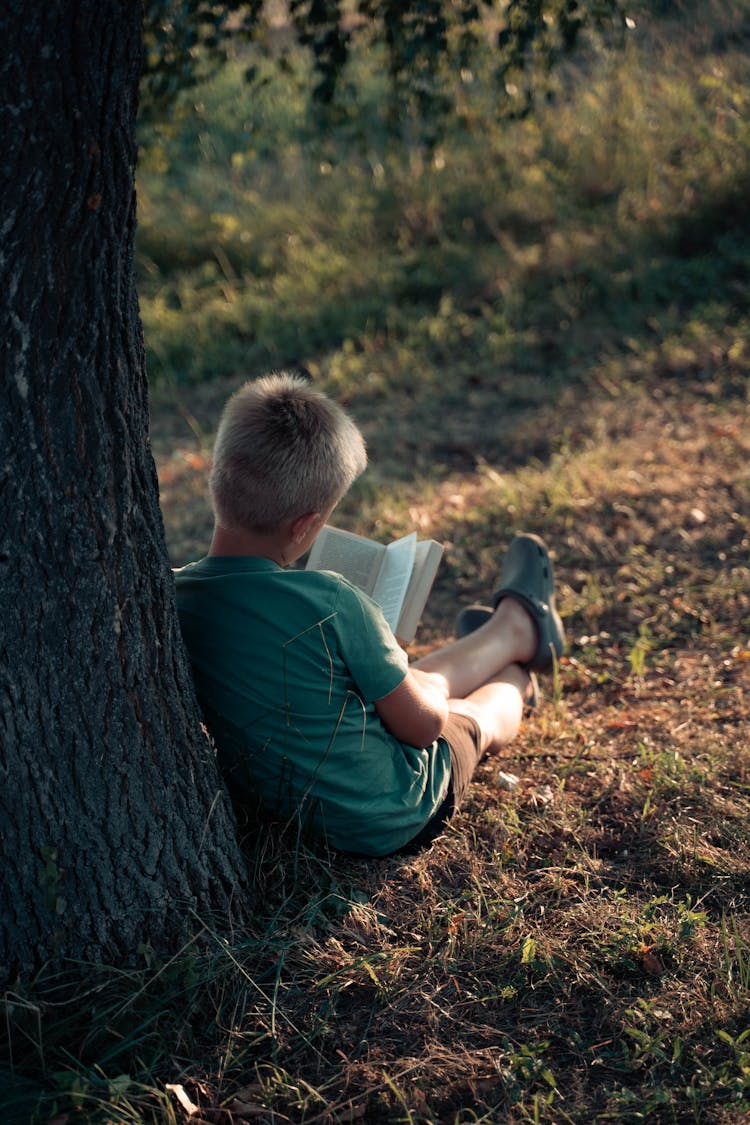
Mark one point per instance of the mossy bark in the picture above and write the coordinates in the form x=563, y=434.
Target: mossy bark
x=115, y=829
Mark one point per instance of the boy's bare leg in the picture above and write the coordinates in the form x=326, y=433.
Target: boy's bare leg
x=462, y=667
x=497, y=707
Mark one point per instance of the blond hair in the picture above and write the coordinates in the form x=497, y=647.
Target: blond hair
x=283, y=450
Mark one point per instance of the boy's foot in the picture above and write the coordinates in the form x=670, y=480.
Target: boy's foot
x=526, y=576
x=470, y=619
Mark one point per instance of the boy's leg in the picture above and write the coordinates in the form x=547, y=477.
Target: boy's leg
x=485, y=673
x=496, y=707
x=525, y=627
x=509, y=637
x=485, y=722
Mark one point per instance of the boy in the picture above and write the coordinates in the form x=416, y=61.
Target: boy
x=310, y=699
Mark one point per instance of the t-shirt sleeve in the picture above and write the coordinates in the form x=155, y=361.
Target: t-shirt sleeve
x=372, y=654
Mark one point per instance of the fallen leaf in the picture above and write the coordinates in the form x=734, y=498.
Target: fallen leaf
x=183, y=1098
x=455, y=922
x=544, y=795
x=509, y=781
x=650, y=963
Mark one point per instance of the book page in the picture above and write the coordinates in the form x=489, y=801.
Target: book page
x=426, y=561
x=357, y=558
x=395, y=575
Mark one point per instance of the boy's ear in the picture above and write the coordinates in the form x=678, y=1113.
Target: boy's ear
x=303, y=525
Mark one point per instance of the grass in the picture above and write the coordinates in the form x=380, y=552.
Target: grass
x=543, y=326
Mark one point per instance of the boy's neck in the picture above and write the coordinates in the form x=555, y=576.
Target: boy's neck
x=283, y=545
x=233, y=541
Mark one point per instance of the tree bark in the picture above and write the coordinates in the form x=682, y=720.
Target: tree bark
x=115, y=829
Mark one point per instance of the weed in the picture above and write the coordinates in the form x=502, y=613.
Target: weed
x=736, y=958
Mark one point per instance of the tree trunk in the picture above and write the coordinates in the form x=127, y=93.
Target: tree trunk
x=115, y=827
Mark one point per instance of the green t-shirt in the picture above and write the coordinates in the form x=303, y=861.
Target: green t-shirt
x=287, y=665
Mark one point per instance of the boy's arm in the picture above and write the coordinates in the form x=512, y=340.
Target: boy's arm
x=416, y=711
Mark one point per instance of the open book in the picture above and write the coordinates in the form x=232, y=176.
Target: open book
x=398, y=576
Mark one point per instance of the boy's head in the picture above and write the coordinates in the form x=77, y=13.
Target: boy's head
x=283, y=450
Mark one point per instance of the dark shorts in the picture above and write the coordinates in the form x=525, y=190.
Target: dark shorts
x=464, y=739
